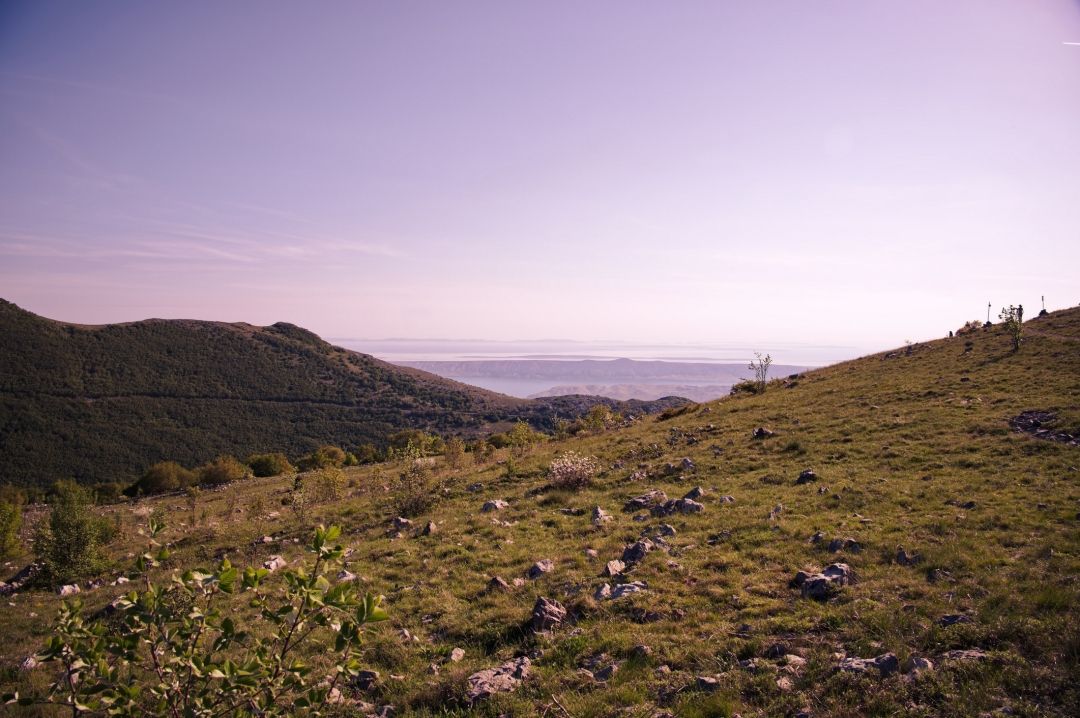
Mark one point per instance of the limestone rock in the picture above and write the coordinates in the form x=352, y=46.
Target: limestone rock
x=613, y=568
x=845, y=544
x=457, y=655
x=885, y=665
x=600, y=517
x=806, y=477
x=70, y=589
x=762, y=433
x=695, y=493
x=823, y=585
x=637, y=551
x=648, y=500
x=400, y=523
x=494, y=505
x=498, y=584
x=503, y=679
x=274, y=563
x=547, y=614
x=541, y=567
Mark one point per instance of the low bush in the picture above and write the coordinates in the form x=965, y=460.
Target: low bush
x=572, y=471
x=415, y=492
x=163, y=477
x=69, y=546
x=269, y=464
x=10, y=523
x=223, y=470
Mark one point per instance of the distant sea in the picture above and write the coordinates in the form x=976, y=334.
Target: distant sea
x=409, y=351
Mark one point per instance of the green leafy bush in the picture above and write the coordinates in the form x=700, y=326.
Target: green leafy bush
x=163, y=477
x=415, y=492
x=326, y=484
x=10, y=523
x=269, y=464
x=222, y=470
x=178, y=649
x=69, y=546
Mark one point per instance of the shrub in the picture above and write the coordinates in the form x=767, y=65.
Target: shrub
x=325, y=484
x=760, y=367
x=269, y=464
x=1012, y=318
x=415, y=492
x=454, y=452
x=749, y=386
x=163, y=477
x=572, y=471
x=10, y=523
x=322, y=457
x=70, y=545
x=158, y=656
x=222, y=470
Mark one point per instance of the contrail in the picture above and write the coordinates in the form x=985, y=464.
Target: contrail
x=1070, y=43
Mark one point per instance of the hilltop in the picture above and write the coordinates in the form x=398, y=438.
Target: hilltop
x=940, y=479
x=101, y=403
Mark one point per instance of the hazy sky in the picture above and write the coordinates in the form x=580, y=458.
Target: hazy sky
x=841, y=172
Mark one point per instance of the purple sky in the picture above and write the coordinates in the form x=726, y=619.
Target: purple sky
x=858, y=172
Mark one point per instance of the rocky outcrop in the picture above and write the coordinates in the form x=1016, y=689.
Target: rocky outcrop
x=502, y=679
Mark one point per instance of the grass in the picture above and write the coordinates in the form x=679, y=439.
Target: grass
x=899, y=443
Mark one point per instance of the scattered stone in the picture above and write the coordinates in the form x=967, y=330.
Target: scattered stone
x=965, y=654
x=885, y=665
x=121, y=580
x=727, y=499
x=751, y=665
x=493, y=505
x=916, y=665
x=457, y=655
x=503, y=679
x=785, y=684
x=762, y=433
x=793, y=663
x=906, y=559
x=346, y=576
x=519, y=582
x=707, y=684
x=609, y=593
x=430, y=528
x=663, y=670
x=541, y=567
x=845, y=544
x=688, y=464
x=954, y=618
x=366, y=680
x=498, y=584
x=605, y=674
x=666, y=530
x=600, y=517
x=70, y=589
x=817, y=537
x=546, y=614
x=274, y=563
x=648, y=500
x=266, y=539
x=823, y=585
x=473, y=488
x=695, y=493
x=637, y=551
x=776, y=511
x=29, y=664
x=592, y=553
x=806, y=477
x=935, y=575
x=613, y=568
x=778, y=649
x=640, y=652
x=682, y=506
x=401, y=523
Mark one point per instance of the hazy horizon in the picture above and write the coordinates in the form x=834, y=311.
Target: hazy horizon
x=840, y=174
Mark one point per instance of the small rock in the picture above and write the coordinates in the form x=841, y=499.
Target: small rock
x=695, y=493
x=823, y=585
x=346, y=576
x=637, y=551
x=640, y=652
x=430, y=528
x=727, y=499
x=70, y=589
x=648, y=500
x=605, y=674
x=904, y=558
x=547, y=614
x=606, y=592
x=707, y=684
x=845, y=544
x=29, y=664
x=663, y=670
x=666, y=530
x=817, y=537
x=592, y=553
x=457, y=655
x=806, y=477
x=885, y=665
x=494, y=505
x=266, y=539
x=762, y=433
x=966, y=654
x=366, y=680
x=682, y=506
x=613, y=568
x=916, y=665
x=498, y=584
x=121, y=580
x=473, y=488
x=504, y=679
x=785, y=684
x=952, y=619
x=600, y=517
x=541, y=567
x=519, y=582
x=274, y=563
x=400, y=523
x=688, y=464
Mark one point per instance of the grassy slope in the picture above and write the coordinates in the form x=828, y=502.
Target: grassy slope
x=893, y=437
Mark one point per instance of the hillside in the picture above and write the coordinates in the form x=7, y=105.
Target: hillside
x=101, y=403
x=932, y=485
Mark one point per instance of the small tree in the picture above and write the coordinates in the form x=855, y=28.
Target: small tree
x=760, y=367
x=521, y=437
x=326, y=484
x=10, y=523
x=454, y=452
x=69, y=545
x=191, y=498
x=1013, y=320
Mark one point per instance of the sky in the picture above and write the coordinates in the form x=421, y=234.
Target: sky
x=855, y=173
